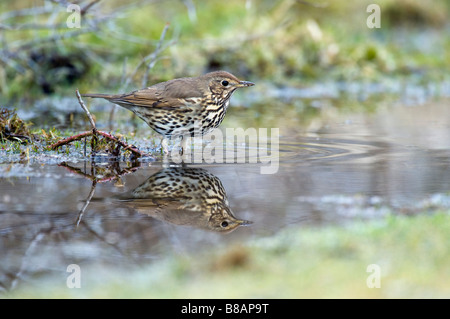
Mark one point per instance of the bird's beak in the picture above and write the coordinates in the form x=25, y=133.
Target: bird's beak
x=244, y=222
x=244, y=84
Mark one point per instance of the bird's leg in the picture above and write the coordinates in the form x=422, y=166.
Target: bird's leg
x=165, y=146
x=165, y=152
x=183, y=144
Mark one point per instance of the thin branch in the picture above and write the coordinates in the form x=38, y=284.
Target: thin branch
x=69, y=34
x=70, y=139
x=25, y=12
x=152, y=56
x=116, y=176
x=192, y=12
x=95, y=180
x=86, y=204
x=85, y=109
x=125, y=146
x=34, y=26
x=88, y=6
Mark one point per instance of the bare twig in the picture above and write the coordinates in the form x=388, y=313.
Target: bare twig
x=93, y=177
x=125, y=146
x=192, y=12
x=25, y=12
x=26, y=261
x=153, y=56
x=95, y=180
x=150, y=59
x=90, y=25
x=36, y=42
x=108, y=136
x=86, y=204
x=70, y=139
x=34, y=26
x=85, y=109
x=88, y=6
x=94, y=133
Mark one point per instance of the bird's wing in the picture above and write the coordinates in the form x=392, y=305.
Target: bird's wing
x=184, y=88
x=165, y=95
x=149, y=98
x=169, y=210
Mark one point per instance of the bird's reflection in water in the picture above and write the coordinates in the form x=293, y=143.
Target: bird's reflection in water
x=185, y=196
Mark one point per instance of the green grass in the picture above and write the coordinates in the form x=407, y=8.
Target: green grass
x=330, y=262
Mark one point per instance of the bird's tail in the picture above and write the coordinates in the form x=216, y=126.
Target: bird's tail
x=102, y=96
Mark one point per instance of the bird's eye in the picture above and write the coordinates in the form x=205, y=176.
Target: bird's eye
x=225, y=83
x=224, y=224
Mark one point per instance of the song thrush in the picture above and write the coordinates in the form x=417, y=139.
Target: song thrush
x=181, y=107
x=185, y=196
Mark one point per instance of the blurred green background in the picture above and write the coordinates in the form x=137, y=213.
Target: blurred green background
x=284, y=43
